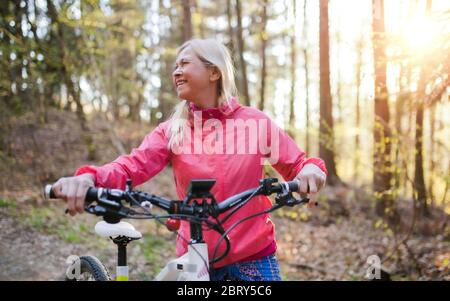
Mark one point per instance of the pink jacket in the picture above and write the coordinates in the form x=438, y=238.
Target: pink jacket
x=234, y=169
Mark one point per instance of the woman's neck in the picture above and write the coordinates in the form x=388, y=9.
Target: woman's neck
x=207, y=100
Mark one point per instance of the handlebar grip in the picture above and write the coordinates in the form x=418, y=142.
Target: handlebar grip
x=48, y=192
x=91, y=195
x=293, y=186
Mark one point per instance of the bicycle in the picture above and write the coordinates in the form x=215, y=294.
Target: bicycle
x=199, y=207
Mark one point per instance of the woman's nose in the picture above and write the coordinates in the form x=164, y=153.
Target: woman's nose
x=177, y=71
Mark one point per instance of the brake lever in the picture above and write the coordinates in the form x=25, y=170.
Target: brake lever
x=305, y=201
x=301, y=201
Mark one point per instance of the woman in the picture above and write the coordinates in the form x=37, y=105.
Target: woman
x=210, y=135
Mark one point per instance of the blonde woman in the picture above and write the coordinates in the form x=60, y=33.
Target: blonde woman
x=210, y=135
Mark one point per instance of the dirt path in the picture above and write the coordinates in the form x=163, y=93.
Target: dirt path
x=27, y=254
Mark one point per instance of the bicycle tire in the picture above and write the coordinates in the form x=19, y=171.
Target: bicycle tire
x=91, y=269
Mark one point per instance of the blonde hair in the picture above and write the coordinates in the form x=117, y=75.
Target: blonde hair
x=213, y=54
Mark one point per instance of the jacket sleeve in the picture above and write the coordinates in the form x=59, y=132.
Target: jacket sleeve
x=285, y=156
x=140, y=165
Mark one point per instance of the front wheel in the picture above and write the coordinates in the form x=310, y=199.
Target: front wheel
x=87, y=268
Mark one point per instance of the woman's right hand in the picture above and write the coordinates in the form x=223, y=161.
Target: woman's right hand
x=73, y=190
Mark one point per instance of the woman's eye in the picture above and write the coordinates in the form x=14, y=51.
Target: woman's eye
x=182, y=63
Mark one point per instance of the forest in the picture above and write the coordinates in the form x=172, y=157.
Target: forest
x=362, y=84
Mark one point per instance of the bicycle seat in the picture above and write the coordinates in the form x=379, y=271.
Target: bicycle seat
x=119, y=229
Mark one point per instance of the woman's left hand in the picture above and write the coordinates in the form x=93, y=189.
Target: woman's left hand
x=313, y=177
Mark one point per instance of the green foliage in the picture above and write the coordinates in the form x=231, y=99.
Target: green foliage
x=49, y=220
x=6, y=203
x=153, y=247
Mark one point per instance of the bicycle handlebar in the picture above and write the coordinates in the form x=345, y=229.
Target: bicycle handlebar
x=112, y=198
x=109, y=204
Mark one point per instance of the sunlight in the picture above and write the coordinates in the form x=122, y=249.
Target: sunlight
x=420, y=33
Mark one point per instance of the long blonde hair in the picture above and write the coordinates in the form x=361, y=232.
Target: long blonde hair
x=213, y=54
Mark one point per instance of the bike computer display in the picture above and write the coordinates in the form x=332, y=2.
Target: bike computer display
x=200, y=186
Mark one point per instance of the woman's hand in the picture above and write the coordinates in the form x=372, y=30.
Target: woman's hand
x=313, y=177
x=73, y=190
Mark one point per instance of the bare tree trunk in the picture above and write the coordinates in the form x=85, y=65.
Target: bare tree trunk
x=338, y=40
x=359, y=64
x=399, y=110
x=187, y=20
x=293, y=66
x=241, y=49
x=419, y=179
x=326, y=136
x=230, y=43
x=305, y=55
x=264, y=38
x=432, y=151
x=382, y=141
x=135, y=96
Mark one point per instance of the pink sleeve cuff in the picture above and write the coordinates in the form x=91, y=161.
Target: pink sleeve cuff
x=316, y=161
x=87, y=169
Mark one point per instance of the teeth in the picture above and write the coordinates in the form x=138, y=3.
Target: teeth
x=180, y=82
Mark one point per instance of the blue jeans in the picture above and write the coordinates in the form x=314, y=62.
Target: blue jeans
x=264, y=269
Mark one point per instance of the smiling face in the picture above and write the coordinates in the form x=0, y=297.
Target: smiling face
x=194, y=81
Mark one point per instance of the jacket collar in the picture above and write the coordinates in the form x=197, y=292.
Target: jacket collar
x=223, y=111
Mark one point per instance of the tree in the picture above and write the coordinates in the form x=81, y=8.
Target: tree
x=65, y=63
x=381, y=132
x=293, y=67
x=359, y=65
x=419, y=179
x=187, y=20
x=241, y=49
x=326, y=136
x=306, y=59
x=263, y=37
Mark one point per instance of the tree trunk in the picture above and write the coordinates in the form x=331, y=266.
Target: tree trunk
x=305, y=55
x=339, y=104
x=187, y=20
x=382, y=142
x=230, y=43
x=359, y=65
x=419, y=178
x=291, y=127
x=241, y=49
x=432, y=151
x=326, y=137
x=264, y=37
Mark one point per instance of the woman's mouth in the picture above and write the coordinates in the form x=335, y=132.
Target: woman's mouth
x=180, y=83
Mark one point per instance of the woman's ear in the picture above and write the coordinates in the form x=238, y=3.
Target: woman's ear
x=214, y=74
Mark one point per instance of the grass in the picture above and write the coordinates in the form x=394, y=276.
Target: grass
x=49, y=220
x=5, y=203
x=153, y=246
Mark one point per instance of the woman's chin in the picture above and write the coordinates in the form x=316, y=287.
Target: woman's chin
x=184, y=96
